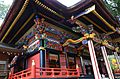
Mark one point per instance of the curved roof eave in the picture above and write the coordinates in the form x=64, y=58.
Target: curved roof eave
x=12, y=12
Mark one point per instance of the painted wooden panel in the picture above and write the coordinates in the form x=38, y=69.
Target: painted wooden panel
x=36, y=58
x=70, y=49
x=54, y=45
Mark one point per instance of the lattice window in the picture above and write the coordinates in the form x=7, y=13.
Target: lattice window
x=2, y=66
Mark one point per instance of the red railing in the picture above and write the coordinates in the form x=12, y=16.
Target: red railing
x=56, y=73
x=45, y=73
x=25, y=74
x=35, y=72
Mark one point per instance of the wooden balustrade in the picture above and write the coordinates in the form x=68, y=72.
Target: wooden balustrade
x=45, y=73
x=56, y=72
x=22, y=74
x=35, y=72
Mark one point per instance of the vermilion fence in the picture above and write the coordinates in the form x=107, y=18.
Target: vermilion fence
x=35, y=72
x=56, y=73
x=25, y=74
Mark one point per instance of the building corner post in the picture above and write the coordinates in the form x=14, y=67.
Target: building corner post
x=33, y=69
x=78, y=69
x=107, y=63
x=94, y=62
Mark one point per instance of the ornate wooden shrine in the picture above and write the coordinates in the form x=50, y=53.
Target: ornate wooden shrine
x=81, y=41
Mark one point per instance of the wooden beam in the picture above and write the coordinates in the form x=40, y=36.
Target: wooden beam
x=116, y=40
x=16, y=19
x=102, y=19
x=22, y=27
x=87, y=11
x=94, y=23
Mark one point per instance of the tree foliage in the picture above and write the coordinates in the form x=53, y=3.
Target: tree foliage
x=113, y=6
x=3, y=9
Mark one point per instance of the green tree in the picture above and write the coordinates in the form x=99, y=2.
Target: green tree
x=3, y=9
x=113, y=6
